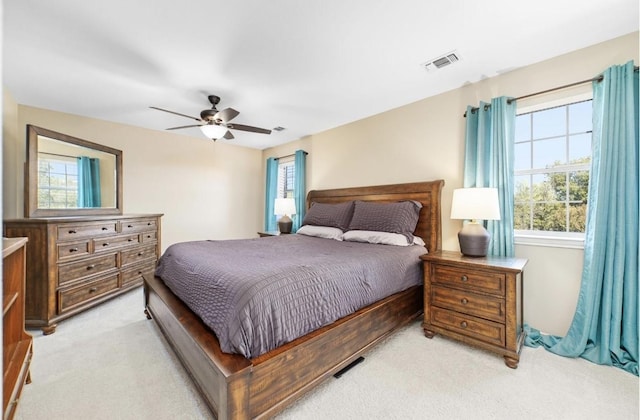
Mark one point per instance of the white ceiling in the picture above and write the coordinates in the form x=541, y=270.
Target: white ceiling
x=304, y=65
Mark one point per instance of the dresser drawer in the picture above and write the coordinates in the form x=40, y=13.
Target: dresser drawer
x=70, y=232
x=73, y=250
x=86, y=267
x=478, y=280
x=482, y=306
x=110, y=243
x=480, y=329
x=70, y=298
x=140, y=225
x=149, y=237
x=134, y=274
x=132, y=256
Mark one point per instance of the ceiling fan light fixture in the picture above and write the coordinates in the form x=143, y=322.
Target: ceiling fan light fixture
x=213, y=131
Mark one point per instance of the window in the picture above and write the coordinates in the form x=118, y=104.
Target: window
x=286, y=175
x=57, y=181
x=552, y=161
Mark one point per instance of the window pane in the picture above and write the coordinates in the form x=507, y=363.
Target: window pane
x=580, y=117
x=549, y=153
x=579, y=186
x=541, y=189
x=523, y=127
x=549, y=216
x=522, y=188
x=580, y=148
x=522, y=153
x=558, y=185
x=577, y=217
x=549, y=123
x=522, y=216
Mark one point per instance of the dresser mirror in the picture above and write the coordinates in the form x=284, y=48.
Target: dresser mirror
x=68, y=176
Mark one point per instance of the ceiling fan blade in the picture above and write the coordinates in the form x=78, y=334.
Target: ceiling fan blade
x=184, y=126
x=228, y=135
x=226, y=115
x=248, y=128
x=176, y=113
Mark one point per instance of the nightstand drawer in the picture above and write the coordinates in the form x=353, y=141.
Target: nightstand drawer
x=478, y=280
x=469, y=303
x=480, y=329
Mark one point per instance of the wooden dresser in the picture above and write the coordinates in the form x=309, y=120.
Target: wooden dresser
x=16, y=343
x=75, y=263
x=475, y=300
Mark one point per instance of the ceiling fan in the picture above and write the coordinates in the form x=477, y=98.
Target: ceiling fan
x=215, y=124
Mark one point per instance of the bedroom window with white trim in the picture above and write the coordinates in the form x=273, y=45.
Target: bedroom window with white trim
x=552, y=163
x=57, y=181
x=286, y=175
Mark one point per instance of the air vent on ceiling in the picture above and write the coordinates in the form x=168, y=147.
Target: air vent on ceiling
x=442, y=61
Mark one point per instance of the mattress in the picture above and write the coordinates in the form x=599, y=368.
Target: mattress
x=258, y=294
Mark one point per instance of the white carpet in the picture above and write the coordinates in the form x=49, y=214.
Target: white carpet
x=112, y=363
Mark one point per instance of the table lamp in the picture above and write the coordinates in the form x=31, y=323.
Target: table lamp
x=284, y=207
x=475, y=204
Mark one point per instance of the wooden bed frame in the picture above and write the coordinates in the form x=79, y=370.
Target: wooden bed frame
x=238, y=388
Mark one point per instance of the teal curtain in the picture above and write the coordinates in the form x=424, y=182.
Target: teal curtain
x=299, y=188
x=89, y=194
x=270, y=222
x=604, y=329
x=488, y=162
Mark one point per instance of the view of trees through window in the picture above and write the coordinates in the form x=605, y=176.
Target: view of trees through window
x=552, y=161
x=57, y=182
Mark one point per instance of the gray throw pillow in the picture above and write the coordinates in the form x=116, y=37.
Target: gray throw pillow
x=333, y=215
x=400, y=217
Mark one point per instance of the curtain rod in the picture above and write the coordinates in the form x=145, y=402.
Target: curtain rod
x=542, y=92
x=57, y=154
x=292, y=154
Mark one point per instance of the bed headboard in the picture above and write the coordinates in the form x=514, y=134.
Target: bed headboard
x=429, y=226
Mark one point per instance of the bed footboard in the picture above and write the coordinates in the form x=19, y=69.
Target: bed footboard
x=238, y=388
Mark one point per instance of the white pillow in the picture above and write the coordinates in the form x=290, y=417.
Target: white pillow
x=376, y=237
x=321, y=232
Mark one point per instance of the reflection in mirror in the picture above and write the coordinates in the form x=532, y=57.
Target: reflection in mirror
x=71, y=176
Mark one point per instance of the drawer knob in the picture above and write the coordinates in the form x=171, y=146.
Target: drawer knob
x=140, y=254
x=464, y=278
x=104, y=228
x=148, y=236
x=129, y=226
x=93, y=290
x=463, y=324
x=139, y=272
x=71, y=232
x=464, y=301
x=105, y=244
x=73, y=250
x=130, y=240
x=90, y=267
x=148, y=223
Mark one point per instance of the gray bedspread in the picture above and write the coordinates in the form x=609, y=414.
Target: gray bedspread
x=258, y=294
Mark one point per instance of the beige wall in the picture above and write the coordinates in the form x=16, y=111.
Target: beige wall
x=425, y=140
x=206, y=190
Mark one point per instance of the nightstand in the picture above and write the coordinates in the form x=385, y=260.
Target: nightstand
x=477, y=301
x=269, y=233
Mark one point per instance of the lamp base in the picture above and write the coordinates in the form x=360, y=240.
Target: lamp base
x=285, y=224
x=474, y=240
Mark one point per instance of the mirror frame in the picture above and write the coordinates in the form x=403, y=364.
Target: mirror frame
x=31, y=176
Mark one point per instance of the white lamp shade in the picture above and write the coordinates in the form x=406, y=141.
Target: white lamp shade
x=213, y=131
x=475, y=204
x=284, y=206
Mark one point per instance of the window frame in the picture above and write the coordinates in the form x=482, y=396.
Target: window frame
x=573, y=240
